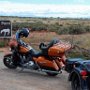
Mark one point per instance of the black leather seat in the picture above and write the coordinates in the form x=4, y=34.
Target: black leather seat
x=35, y=53
x=44, y=49
x=43, y=46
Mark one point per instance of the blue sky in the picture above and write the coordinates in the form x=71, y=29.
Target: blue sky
x=46, y=8
x=84, y=2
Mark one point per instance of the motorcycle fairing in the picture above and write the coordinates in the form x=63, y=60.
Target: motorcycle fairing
x=8, y=54
x=45, y=63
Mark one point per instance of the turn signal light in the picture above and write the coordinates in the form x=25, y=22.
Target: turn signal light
x=83, y=73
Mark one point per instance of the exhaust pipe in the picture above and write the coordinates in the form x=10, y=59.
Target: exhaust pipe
x=44, y=70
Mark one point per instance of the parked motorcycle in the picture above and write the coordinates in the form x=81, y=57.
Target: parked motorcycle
x=49, y=59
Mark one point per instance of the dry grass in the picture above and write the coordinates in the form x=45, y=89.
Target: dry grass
x=47, y=20
x=83, y=40
x=35, y=38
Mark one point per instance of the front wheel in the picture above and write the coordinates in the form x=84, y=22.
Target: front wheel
x=8, y=62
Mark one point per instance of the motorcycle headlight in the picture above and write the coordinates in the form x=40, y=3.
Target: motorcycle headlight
x=10, y=49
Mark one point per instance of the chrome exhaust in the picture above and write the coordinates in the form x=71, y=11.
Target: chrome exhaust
x=44, y=70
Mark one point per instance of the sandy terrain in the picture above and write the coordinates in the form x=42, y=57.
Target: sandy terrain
x=30, y=80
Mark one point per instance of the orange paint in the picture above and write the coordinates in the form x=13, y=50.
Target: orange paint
x=46, y=63
x=23, y=49
x=56, y=51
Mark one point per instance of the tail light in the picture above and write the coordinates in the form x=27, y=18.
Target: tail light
x=83, y=73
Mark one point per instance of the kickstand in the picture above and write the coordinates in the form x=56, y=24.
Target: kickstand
x=21, y=69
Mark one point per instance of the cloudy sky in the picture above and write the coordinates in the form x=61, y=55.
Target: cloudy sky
x=46, y=8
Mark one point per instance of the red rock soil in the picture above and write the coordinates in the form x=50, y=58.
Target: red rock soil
x=4, y=49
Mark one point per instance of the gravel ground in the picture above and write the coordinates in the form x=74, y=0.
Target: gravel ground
x=30, y=80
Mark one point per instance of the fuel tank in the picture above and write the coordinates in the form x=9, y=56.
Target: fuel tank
x=23, y=50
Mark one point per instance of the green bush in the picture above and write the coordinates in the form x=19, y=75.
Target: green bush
x=63, y=30
x=69, y=29
x=2, y=44
x=87, y=28
x=53, y=27
x=36, y=26
x=78, y=28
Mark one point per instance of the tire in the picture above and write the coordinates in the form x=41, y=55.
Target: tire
x=8, y=62
x=75, y=83
x=52, y=74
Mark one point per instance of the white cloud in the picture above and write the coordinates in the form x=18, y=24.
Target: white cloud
x=79, y=1
x=44, y=10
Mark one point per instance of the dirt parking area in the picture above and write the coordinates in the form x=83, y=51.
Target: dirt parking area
x=30, y=80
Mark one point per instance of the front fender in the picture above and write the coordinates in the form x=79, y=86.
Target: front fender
x=74, y=72
x=7, y=54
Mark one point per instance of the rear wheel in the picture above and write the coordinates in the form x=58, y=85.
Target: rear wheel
x=8, y=62
x=76, y=84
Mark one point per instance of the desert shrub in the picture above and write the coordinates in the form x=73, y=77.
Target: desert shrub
x=78, y=53
x=60, y=28
x=16, y=26
x=37, y=26
x=76, y=29
x=2, y=43
x=63, y=30
x=53, y=27
x=87, y=28
x=68, y=29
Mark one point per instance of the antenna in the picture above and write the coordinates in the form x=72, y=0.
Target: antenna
x=72, y=40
